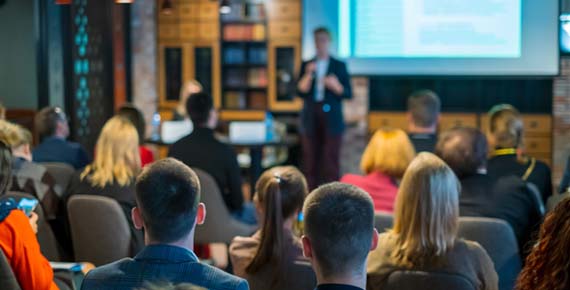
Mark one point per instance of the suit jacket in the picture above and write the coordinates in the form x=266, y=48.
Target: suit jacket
x=202, y=150
x=332, y=103
x=54, y=149
x=161, y=263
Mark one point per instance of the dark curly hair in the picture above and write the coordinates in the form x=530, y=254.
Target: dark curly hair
x=548, y=265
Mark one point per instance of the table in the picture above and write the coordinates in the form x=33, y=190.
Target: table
x=255, y=152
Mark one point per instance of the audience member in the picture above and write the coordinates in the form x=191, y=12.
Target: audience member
x=548, y=267
x=135, y=116
x=424, y=237
x=339, y=233
x=267, y=258
x=51, y=124
x=506, y=132
x=27, y=176
x=384, y=162
x=424, y=107
x=18, y=240
x=113, y=171
x=170, y=286
x=506, y=198
x=202, y=150
x=190, y=87
x=168, y=215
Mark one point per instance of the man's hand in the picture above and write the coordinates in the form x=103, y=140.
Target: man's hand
x=332, y=83
x=310, y=68
x=306, y=80
x=34, y=222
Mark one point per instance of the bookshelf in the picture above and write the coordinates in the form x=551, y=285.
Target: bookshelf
x=247, y=59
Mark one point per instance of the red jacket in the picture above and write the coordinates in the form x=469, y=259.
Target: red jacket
x=381, y=187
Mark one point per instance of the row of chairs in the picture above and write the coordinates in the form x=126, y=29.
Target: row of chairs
x=494, y=235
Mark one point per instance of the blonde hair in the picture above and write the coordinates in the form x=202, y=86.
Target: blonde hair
x=14, y=135
x=427, y=210
x=117, y=156
x=389, y=151
x=190, y=87
x=505, y=126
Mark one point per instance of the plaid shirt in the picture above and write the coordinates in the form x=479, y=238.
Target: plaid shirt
x=161, y=263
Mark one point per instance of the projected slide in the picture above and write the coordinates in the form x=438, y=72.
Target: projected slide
x=429, y=28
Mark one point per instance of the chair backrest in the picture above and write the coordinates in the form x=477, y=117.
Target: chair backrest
x=554, y=200
x=383, y=222
x=219, y=226
x=61, y=172
x=99, y=229
x=494, y=235
x=7, y=277
x=498, y=239
x=46, y=238
x=413, y=280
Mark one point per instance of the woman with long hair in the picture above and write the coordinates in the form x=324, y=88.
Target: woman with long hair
x=424, y=236
x=384, y=162
x=114, y=169
x=548, y=265
x=266, y=258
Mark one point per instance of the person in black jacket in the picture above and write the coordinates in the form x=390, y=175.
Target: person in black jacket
x=323, y=84
x=483, y=195
x=200, y=149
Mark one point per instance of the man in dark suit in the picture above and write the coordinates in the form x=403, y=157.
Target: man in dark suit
x=323, y=84
x=483, y=195
x=202, y=150
x=168, y=209
x=53, y=128
x=339, y=233
x=424, y=107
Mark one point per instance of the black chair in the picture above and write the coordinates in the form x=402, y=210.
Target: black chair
x=414, y=280
x=7, y=278
x=61, y=173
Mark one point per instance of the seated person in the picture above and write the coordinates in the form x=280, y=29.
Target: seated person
x=18, y=240
x=424, y=107
x=339, y=234
x=505, y=134
x=266, y=258
x=384, y=162
x=113, y=171
x=424, y=237
x=483, y=195
x=27, y=176
x=168, y=209
x=2, y=112
x=190, y=87
x=51, y=124
x=564, y=186
x=547, y=265
x=201, y=149
x=135, y=116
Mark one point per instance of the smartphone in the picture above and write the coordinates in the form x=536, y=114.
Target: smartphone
x=28, y=205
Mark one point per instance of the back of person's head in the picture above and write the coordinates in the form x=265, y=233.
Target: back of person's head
x=189, y=88
x=117, y=158
x=339, y=226
x=5, y=167
x=14, y=135
x=426, y=211
x=47, y=120
x=424, y=107
x=199, y=107
x=279, y=194
x=322, y=30
x=135, y=116
x=506, y=127
x=389, y=152
x=168, y=194
x=548, y=265
x=464, y=150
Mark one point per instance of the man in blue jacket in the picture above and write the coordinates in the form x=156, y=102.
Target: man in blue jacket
x=323, y=84
x=168, y=208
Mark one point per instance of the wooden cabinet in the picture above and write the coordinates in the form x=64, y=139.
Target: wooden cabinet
x=179, y=63
x=284, y=10
x=452, y=120
x=383, y=120
x=285, y=29
x=284, y=61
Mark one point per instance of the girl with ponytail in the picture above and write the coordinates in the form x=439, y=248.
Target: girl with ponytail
x=267, y=258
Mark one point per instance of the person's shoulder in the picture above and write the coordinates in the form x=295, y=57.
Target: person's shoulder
x=107, y=275
x=181, y=143
x=216, y=279
x=243, y=246
x=470, y=247
x=351, y=178
x=543, y=167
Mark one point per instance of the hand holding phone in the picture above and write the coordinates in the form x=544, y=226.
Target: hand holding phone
x=28, y=205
